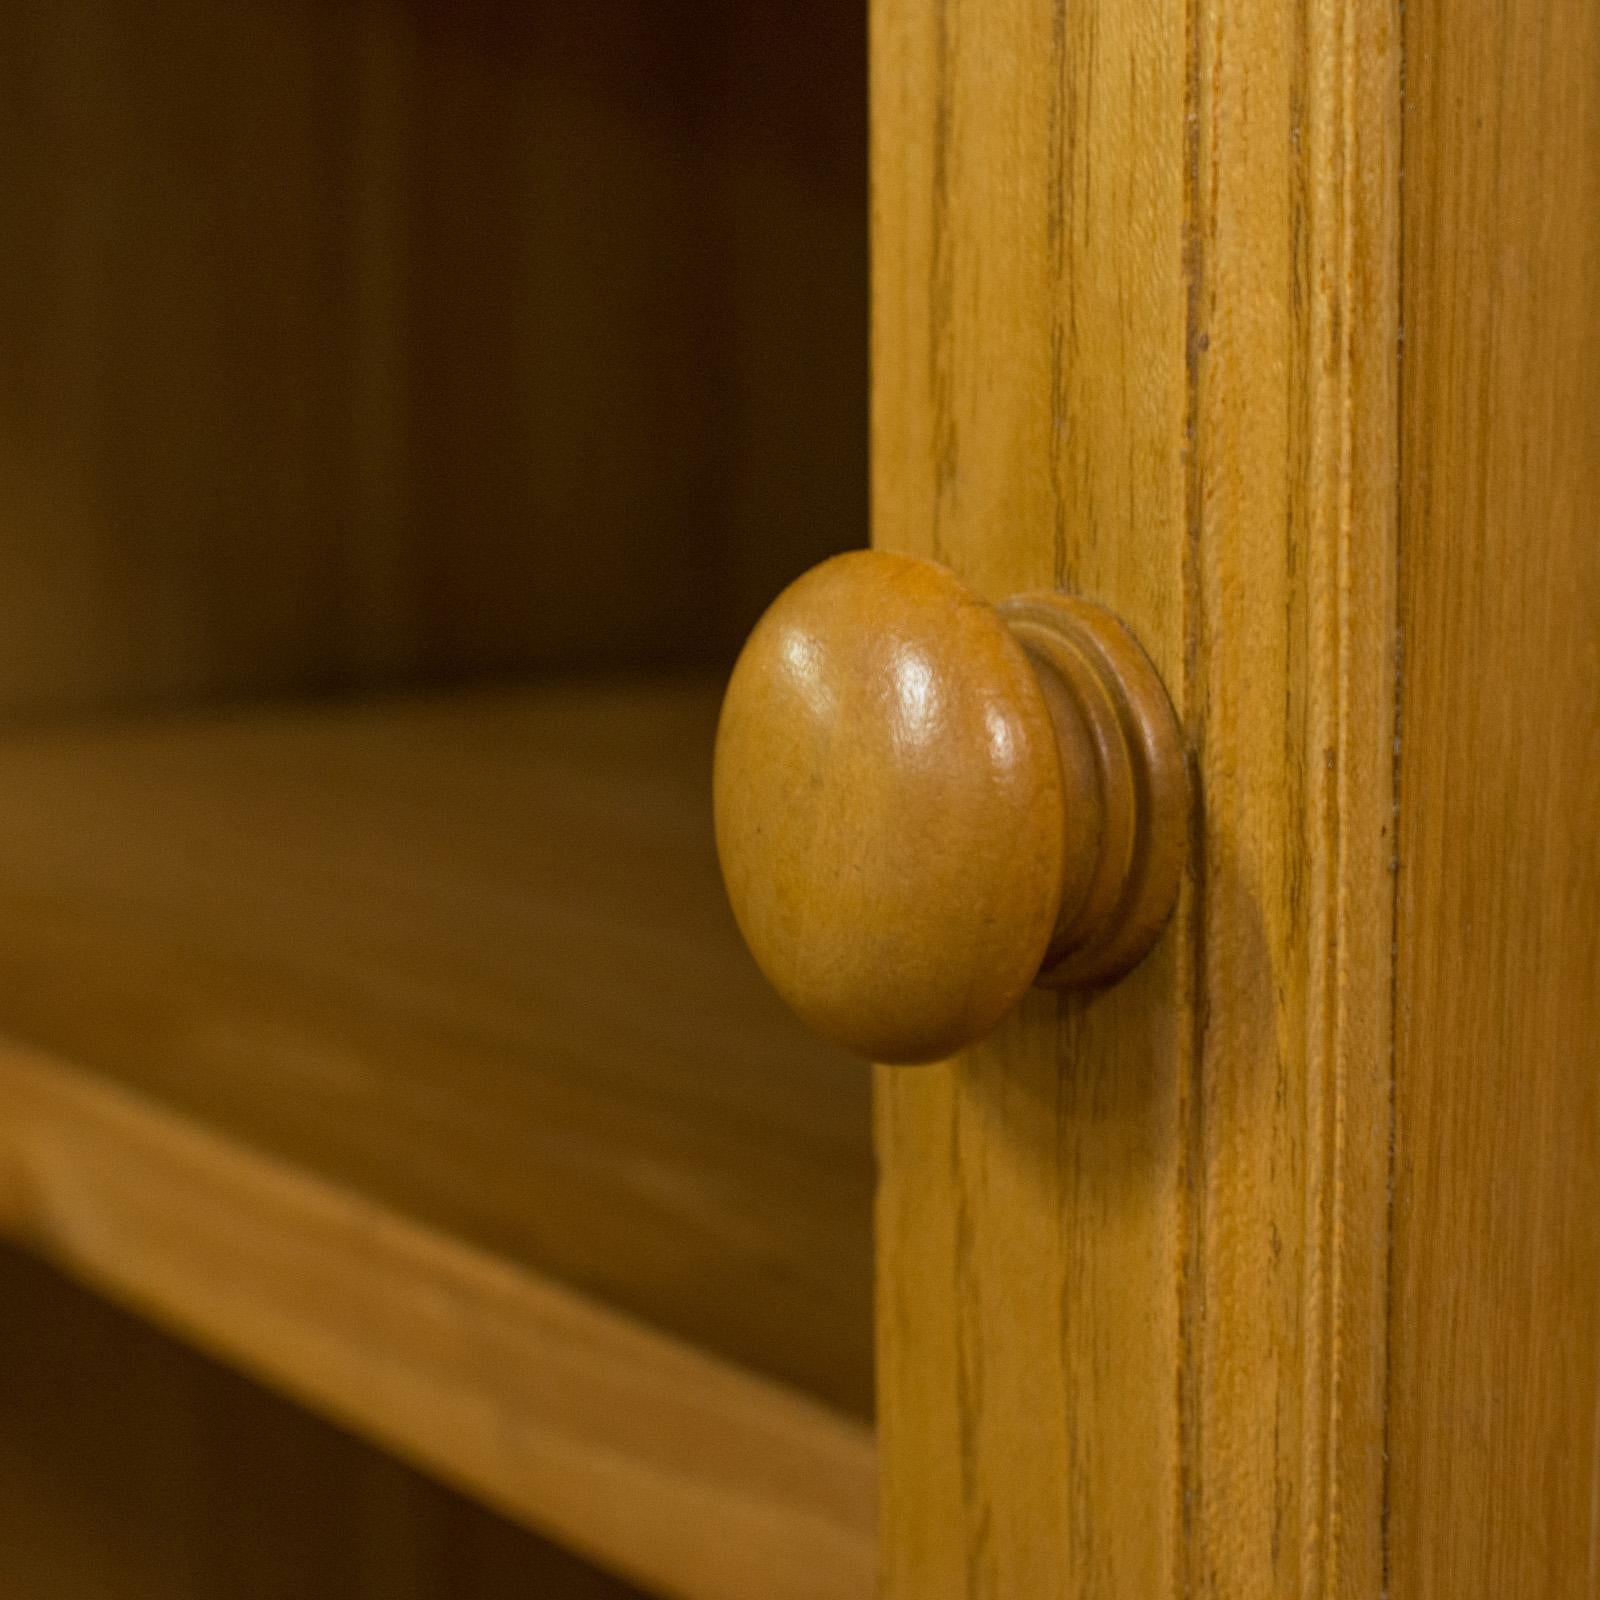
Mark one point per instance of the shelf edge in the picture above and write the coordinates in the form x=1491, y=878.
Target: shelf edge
x=693, y=1477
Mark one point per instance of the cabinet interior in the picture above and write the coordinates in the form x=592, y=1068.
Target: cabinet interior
x=408, y=405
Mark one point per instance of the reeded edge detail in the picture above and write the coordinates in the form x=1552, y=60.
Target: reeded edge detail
x=1102, y=668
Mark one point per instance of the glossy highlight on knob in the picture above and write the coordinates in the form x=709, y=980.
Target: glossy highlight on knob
x=925, y=804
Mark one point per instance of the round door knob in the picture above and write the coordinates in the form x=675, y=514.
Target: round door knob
x=925, y=803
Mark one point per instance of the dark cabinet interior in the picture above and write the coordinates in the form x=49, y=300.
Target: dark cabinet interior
x=405, y=409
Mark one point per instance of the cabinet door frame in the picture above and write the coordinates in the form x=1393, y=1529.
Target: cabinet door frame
x=1136, y=316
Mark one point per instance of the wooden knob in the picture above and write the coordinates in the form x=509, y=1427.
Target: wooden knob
x=925, y=803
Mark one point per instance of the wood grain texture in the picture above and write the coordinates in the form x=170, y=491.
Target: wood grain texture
x=437, y=1036
x=469, y=957
x=1135, y=316
x=660, y=1460
x=133, y=1469
x=1495, y=1418
x=1293, y=372
x=359, y=343
x=1028, y=401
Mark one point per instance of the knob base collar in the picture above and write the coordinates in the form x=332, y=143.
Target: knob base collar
x=1110, y=706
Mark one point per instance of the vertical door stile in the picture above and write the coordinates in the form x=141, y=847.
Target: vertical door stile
x=1135, y=334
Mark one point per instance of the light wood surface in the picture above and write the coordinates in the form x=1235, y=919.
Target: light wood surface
x=1494, y=1435
x=133, y=1469
x=1135, y=317
x=408, y=1055
x=924, y=804
x=470, y=957
x=383, y=341
x=1293, y=389
x=659, y=1460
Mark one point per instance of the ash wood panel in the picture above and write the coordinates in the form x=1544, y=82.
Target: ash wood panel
x=468, y=958
x=1495, y=1422
x=132, y=1469
x=1134, y=333
x=1028, y=1223
x=658, y=1459
x=1294, y=375
x=352, y=344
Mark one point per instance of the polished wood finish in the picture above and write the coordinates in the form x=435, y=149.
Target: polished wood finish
x=407, y=1055
x=133, y=1469
x=922, y=803
x=1099, y=682
x=684, y=1471
x=1494, y=1427
x=403, y=340
x=1135, y=317
x=889, y=807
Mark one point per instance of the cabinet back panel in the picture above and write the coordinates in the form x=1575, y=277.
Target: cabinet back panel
x=355, y=343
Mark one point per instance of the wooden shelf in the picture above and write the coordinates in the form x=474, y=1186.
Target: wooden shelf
x=404, y=1054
